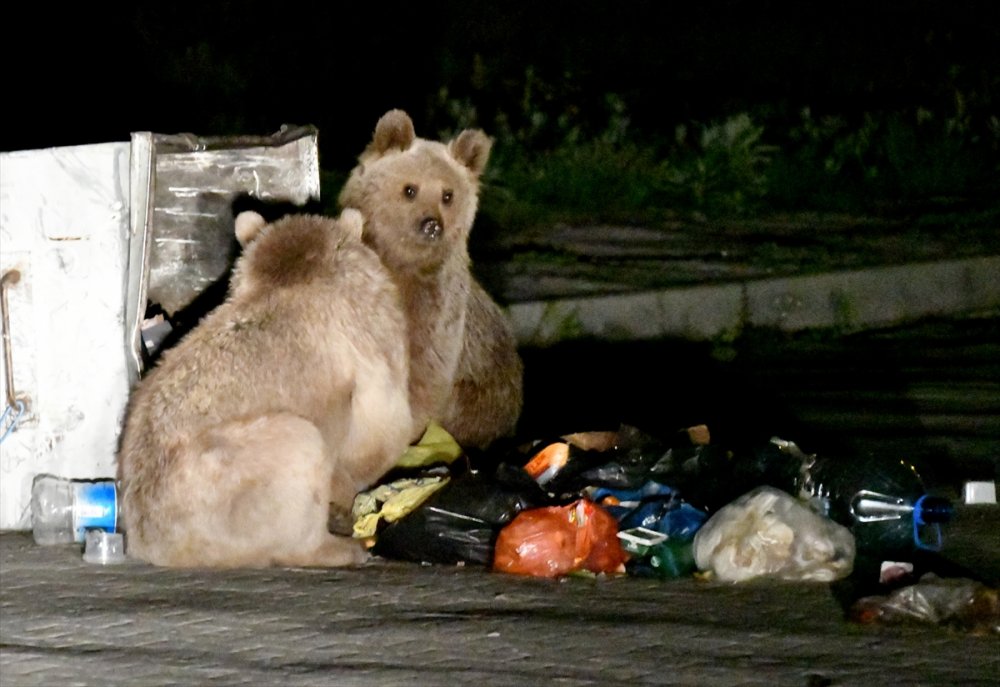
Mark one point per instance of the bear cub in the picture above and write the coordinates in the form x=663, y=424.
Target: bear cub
x=285, y=400
x=419, y=199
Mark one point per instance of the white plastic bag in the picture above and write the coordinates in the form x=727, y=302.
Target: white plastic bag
x=768, y=533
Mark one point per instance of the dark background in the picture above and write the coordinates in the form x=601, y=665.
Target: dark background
x=93, y=72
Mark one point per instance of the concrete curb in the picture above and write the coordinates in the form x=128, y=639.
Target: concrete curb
x=851, y=300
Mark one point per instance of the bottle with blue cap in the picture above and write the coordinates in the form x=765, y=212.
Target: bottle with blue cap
x=63, y=510
x=881, y=499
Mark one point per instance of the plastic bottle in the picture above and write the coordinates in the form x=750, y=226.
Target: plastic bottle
x=62, y=510
x=881, y=499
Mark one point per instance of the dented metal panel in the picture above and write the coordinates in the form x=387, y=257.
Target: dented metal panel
x=197, y=180
x=182, y=222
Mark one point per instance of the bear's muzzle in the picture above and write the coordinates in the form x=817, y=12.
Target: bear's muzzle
x=431, y=229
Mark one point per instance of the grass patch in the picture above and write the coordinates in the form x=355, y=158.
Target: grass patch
x=563, y=156
x=553, y=163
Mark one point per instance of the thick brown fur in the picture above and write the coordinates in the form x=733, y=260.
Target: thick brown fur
x=287, y=398
x=419, y=199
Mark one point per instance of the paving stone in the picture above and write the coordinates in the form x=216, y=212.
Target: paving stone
x=65, y=622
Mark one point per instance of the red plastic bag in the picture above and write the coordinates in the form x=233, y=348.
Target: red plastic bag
x=550, y=542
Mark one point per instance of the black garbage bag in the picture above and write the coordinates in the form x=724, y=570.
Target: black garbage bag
x=711, y=476
x=627, y=462
x=461, y=521
x=706, y=475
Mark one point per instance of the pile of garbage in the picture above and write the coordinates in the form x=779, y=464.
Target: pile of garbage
x=626, y=503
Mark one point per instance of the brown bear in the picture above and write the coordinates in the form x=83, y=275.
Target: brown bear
x=287, y=398
x=419, y=199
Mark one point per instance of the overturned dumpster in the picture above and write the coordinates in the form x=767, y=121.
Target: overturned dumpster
x=89, y=235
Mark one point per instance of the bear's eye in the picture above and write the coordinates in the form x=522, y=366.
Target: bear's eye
x=410, y=191
x=447, y=197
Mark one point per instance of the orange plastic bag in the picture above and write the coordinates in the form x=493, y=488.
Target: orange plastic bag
x=550, y=542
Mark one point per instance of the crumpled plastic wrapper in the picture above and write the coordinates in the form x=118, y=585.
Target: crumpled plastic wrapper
x=958, y=603
x=435, y=446
x=390, y=502
x=768, y=533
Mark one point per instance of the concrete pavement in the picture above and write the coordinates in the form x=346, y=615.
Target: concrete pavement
x=848, y=300
x=65, y=622
x=712, y=281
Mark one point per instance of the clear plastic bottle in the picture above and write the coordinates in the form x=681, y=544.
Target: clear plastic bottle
x=62, y=510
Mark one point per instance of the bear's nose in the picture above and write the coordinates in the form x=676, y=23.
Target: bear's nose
x=431, y=227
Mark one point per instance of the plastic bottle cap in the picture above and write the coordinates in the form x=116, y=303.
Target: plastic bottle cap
x=104, y=548
x=980, y=492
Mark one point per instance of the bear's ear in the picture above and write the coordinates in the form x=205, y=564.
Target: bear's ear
x=248, y=226
x=394, y=130
x=472, y=149
x=352, y=222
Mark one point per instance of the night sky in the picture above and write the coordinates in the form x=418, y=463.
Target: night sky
x=94, y=72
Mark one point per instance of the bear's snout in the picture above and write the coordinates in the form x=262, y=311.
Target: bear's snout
x=430, y=228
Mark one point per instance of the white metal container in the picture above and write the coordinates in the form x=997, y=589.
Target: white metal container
x=87, y=234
